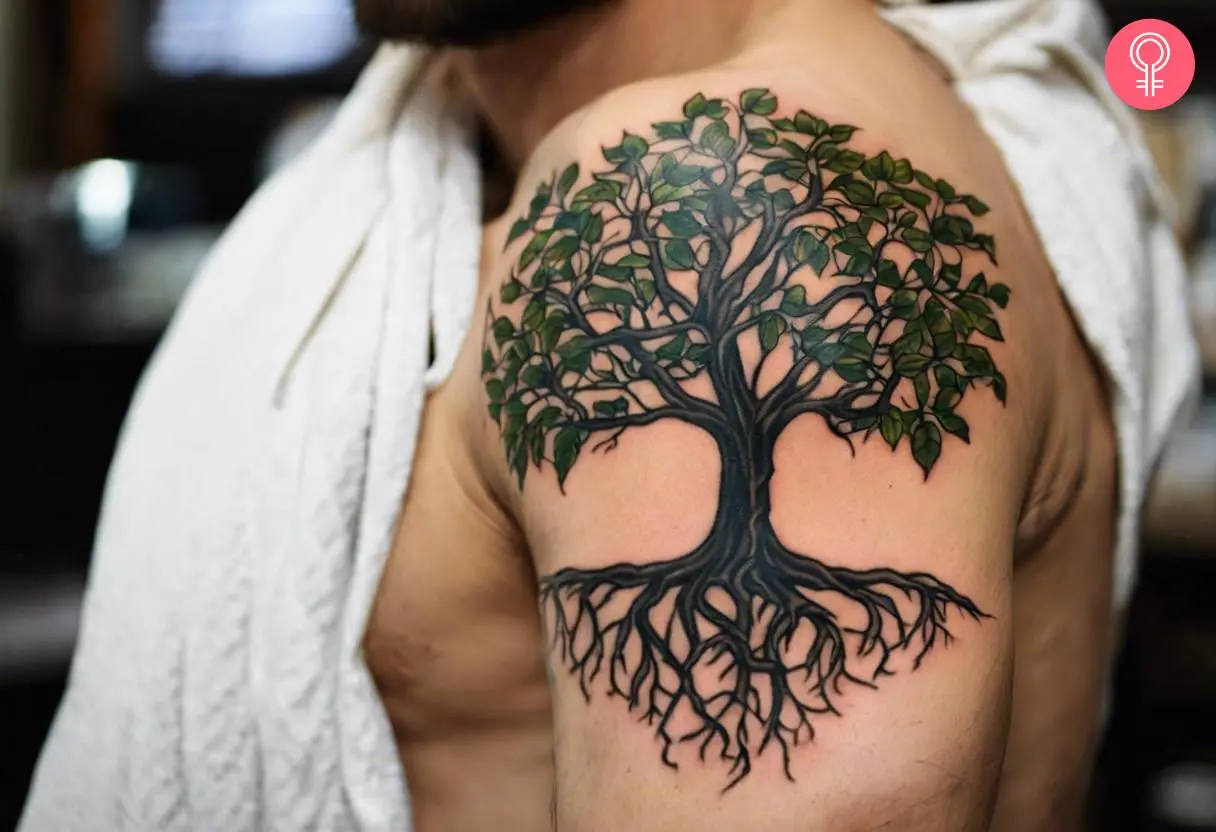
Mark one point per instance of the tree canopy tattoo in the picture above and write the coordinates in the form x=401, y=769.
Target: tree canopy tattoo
x=731, y=241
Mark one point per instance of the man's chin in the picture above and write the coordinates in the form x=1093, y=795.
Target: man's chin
x=463, y=23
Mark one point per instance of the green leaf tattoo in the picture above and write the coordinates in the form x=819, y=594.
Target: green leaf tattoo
x=733, y=226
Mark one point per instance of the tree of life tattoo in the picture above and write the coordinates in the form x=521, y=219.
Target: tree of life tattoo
x=736, y=271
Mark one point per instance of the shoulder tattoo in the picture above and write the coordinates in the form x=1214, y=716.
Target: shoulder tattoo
x=735, y=226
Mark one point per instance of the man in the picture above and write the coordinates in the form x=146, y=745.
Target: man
x=772, y=447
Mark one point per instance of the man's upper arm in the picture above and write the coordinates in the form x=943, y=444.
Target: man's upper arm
x=746, y=368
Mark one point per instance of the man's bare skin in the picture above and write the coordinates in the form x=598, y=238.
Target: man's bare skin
x=456, y=641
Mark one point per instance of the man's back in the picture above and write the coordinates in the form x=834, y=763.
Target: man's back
x=1010, y=506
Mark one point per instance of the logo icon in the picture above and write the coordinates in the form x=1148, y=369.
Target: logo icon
x=1150, y=83
x=1150, y=64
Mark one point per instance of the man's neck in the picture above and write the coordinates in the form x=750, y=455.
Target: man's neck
x=524, y=87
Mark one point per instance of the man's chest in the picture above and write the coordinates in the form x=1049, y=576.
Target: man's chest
x=454, y=634
x=454, y=642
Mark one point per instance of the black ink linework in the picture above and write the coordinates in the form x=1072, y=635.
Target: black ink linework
x=688, y=246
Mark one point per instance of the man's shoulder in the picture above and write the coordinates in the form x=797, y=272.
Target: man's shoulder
x=733, y=324
x=921, y=117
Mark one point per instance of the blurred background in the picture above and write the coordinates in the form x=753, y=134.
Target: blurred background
x=132, y=131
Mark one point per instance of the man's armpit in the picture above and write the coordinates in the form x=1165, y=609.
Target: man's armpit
x=738, y=269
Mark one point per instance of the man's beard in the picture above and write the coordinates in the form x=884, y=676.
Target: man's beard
x=459, y=22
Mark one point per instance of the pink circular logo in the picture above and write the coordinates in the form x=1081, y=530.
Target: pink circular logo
x=1150, y=64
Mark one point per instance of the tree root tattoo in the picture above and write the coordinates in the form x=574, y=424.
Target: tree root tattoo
x=734, y=226
x=724, y=649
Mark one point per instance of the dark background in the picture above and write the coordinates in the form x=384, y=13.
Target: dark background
x=78, y=321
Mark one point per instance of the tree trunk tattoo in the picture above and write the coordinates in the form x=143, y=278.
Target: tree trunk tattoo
x=685, y=246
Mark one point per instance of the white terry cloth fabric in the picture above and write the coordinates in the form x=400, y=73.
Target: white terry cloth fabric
x=218, y=684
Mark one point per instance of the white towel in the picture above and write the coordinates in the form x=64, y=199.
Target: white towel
x=218, y=683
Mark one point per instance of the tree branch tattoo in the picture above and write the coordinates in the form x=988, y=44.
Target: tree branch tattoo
x=690, y=252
